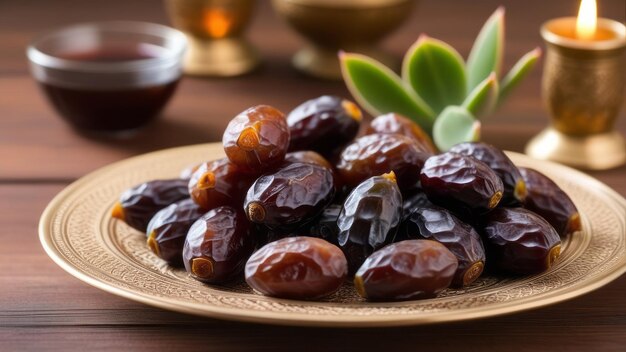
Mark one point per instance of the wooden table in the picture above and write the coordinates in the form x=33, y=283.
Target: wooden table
x=42, y=307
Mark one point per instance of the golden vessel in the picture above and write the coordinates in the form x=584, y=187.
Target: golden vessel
x=583, y=89
x=215, y=30
x=349, y=25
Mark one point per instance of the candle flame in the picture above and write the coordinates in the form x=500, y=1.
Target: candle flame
x=587, y=20
x=218, y=22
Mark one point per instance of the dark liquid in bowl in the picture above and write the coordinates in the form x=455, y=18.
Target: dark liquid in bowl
x=109, y=110
x=112, y=54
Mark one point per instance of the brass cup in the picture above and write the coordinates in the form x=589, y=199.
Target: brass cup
x=214, y=29
x=583, y=88
x=333, y=25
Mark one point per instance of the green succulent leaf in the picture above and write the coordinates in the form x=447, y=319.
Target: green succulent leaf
x=483, y=99
x=455, y=125
x=486, y=54
x=436, y=71
x=379, y=90
x=518, y=72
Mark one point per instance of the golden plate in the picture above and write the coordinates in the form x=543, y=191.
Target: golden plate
x=80, y=236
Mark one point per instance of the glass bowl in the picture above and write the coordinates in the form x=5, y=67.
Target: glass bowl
x=108, y=76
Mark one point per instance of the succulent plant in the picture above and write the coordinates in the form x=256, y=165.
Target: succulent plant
x=437, y=89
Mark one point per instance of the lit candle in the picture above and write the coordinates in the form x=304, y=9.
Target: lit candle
x=587, y=22
x=587, y=27
x=583, y=88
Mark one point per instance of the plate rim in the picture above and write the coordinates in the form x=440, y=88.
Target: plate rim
x=303, y=319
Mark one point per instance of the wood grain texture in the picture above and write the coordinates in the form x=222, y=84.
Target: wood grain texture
x=43, y=308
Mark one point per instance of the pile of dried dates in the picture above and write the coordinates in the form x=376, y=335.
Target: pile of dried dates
x=300, y=203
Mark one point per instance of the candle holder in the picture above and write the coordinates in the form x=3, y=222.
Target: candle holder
x=583, y=88
x=214, y=30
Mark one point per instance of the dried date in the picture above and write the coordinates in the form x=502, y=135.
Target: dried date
x=514, y=185
x=308, y=157
x=323, y=226
x=406, y=270
x=461, y=183
x=218, y=245
x=548, y=200
x=376, y=154
x=219, y=182
x=416, y=199
x=370, y=218
x=323, y=124
x=138, y=204
x=168, y=229
x=297, y=267
x=311, y=157
x=519, y=241
x=257, y=139
x=395, y=123
x=290, y=196
x=438, y=224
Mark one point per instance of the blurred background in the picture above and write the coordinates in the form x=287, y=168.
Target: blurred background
x=32, y=137
x=40, y=155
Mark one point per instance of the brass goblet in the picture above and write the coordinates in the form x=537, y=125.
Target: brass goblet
x=349, y=25
x=214, y=29
x=583, y=88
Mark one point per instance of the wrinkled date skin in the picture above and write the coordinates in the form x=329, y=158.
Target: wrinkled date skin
x=138, y=204
x=519, y=241
x=218, y=245
x=297, y=268
x=311, y=157
x=461, y=183
x=376, y=154
x=308, y=157
x=395, y=123
x=323, y=226
x=550, y=202
x=369, y=219
x=438, y=224
x=219, y=182
x=323, y=124
x=292, y=195
x=406, y=270
x=257, y=139
x=168, y=229
x=514, y=186
x=417, y=199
